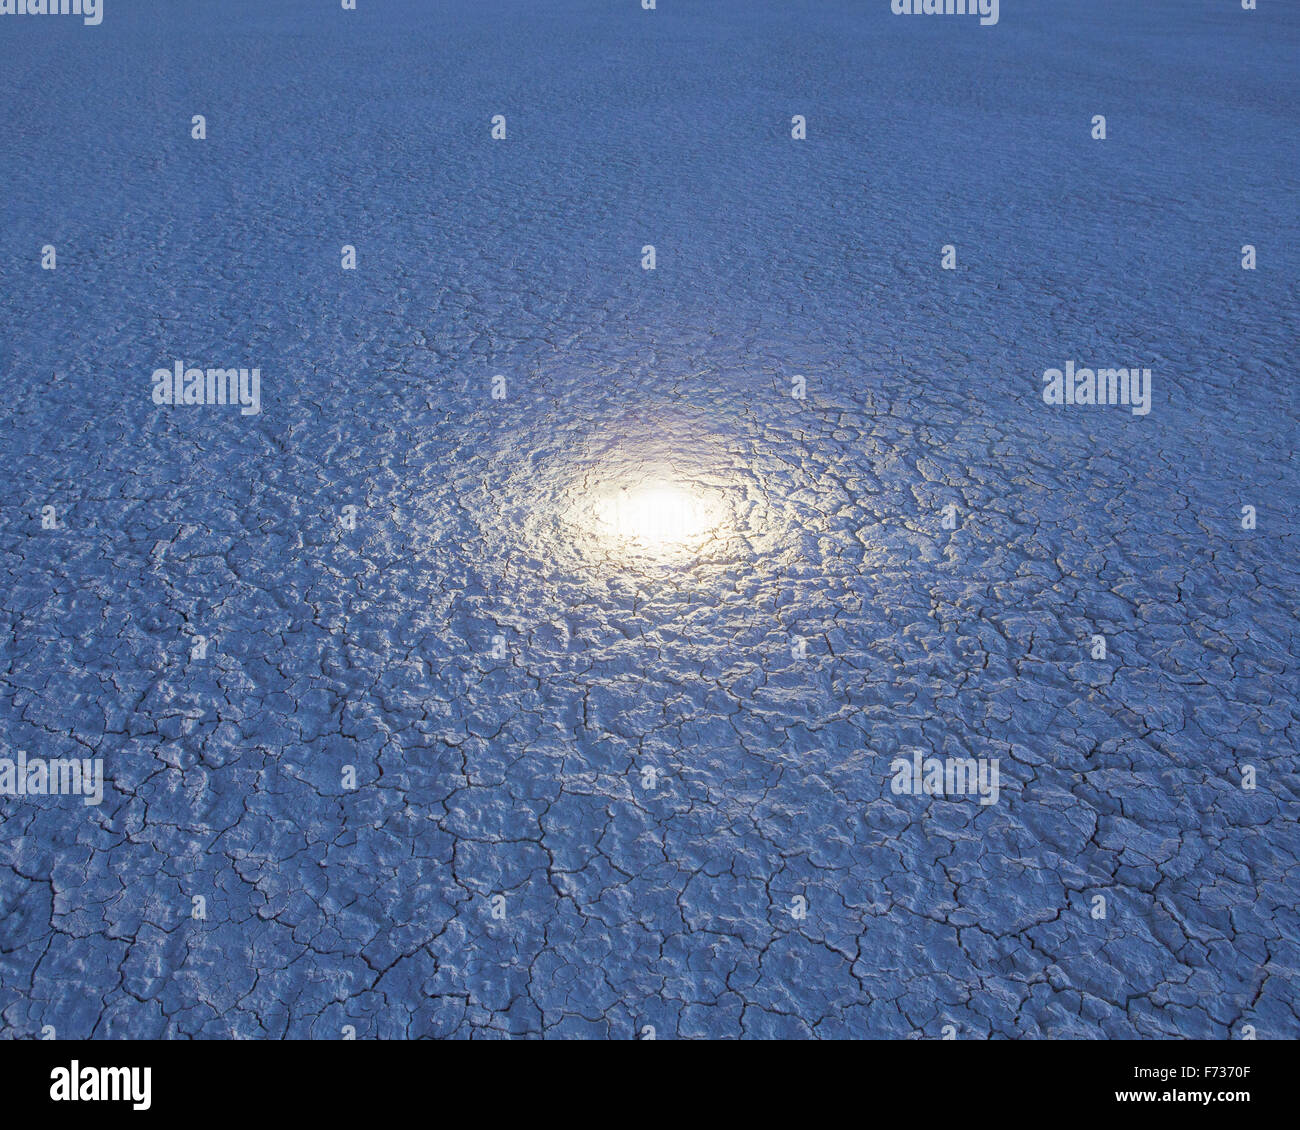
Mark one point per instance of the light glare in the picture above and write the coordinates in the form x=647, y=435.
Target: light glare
x=656, y=516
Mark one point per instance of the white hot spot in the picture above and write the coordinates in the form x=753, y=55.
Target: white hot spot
x=656, y=515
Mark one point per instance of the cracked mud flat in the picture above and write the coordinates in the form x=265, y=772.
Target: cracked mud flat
x=515, y=766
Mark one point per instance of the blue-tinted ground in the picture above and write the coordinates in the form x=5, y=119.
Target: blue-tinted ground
x=516, y=767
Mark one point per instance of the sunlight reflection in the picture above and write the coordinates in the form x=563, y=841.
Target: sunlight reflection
x=658, y=517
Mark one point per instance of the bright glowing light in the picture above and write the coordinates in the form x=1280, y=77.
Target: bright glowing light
x=657, y=516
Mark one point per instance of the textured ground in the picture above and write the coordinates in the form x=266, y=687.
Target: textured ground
x=516, y=766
